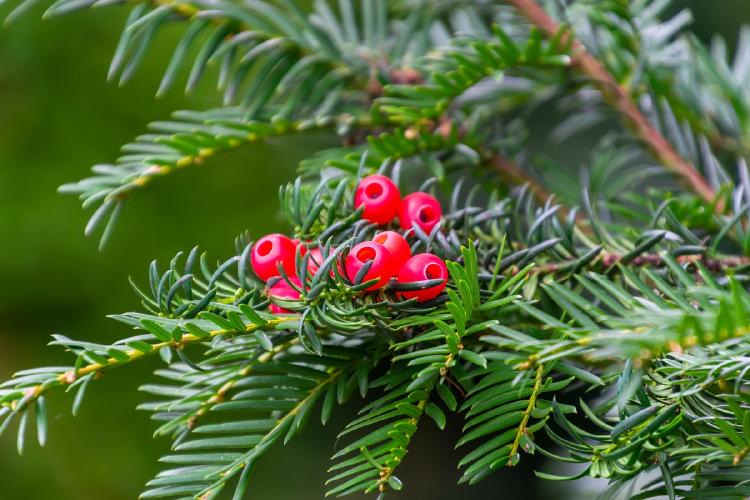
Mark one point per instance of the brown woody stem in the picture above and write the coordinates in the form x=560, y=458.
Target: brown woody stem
x=517, y=175
x=608, y=260
x=618, y=98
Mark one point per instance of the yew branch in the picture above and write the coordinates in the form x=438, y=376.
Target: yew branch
x=619, y=99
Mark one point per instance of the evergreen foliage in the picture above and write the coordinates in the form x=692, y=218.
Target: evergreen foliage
x=608, y=318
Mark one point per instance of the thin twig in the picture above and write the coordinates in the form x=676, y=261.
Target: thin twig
x=506, y=167
x=96, y=369
x=522, y=427
x=651, y=260
x=514, y=173
x=517, y=175
x=619, y=99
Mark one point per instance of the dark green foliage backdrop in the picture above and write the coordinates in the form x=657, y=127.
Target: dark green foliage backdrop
x=52, y=88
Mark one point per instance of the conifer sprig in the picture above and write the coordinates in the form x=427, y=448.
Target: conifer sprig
x=599, y=320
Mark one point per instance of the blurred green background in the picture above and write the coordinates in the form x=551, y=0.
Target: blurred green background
x=58, y=116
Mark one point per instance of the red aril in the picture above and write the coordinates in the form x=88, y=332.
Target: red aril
x=270, y=251
x=420, y=209
x=380, y=198
x=396, y=244
x=422, y=267
x=383, y=267
x=283, y=290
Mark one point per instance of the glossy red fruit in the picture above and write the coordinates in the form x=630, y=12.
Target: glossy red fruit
x=300, y=246
x=423, y=266
x=396, y=244
x=380, y=197
x=421, y=209
x=270, y=250
x=383, y=265
x=314, y=261
x=283, y=290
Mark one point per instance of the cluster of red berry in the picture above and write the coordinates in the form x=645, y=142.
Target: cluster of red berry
x=387, y=255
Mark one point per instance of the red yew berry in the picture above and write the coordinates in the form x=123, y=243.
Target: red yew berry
x=396, y=244
x=380, y=197
x=283, y=290
x=301, y=246
x=423, y=266
x=271, y=250
x=421, y=209
x=383, y=265
x=314, y=261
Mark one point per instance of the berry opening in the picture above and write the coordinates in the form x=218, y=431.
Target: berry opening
x=433, y=272
x=426, y=214
x=374, y=190
x=366, y=254
x=265, y=248
x=381, y=238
